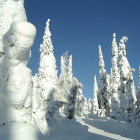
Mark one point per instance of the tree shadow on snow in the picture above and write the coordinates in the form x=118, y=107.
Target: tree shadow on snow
x=115, y=127
x=71, y=130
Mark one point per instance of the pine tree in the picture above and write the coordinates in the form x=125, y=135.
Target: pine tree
x=79, y=105
x=7, y=17
x=127, y=88
x=104, y=89
x=136, y=115
x=115, y=81
x=65, y=81
x=85, y=107
x=47, y=76
x=72, y=98
x=94, y=101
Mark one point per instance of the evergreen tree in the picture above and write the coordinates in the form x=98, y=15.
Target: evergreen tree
x=115, y=81
x=72, y=97
x=66, y=74
x=104, y=89
x=65, y=81
x=47, y=76
x=85, y=107
x=136, y=115
x=79, y=106
x=127, y=88
x=95, y=106
x=7, y=17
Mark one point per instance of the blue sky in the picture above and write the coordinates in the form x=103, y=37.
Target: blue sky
x=79, y=26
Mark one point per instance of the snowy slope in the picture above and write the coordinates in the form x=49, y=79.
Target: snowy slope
x=81, y=129
x=93, y=129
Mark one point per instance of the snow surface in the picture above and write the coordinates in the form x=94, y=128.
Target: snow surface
x=79, y=129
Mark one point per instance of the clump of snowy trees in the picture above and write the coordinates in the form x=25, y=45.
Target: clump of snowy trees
x=117, y=92
x=114, y=96
x=62, y=96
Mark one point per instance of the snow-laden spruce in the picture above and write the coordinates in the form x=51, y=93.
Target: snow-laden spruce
x=66, y=75
x=136, y=115
x=65, y=81
x=127, y=88
x=70, y=89
x=46, y=80
x=104, y=90
x=81, y=106
x=7, y=16
x=94, y=102
x=15, y=77
x=115, y=81
x=73, y=102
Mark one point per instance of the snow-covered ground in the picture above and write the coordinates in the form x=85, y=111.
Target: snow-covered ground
x=79, y=129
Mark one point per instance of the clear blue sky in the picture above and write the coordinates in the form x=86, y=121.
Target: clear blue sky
x=79, y=26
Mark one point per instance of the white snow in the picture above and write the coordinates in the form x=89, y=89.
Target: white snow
x=79, y=129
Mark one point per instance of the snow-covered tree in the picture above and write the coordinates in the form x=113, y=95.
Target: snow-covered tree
x=65, y=81
x=136, y=115
x=47, y=76
x=79, y=105
x=66, y=76
x=94, y=101
x=85, y=107
x=127, y=88
x=115, y=81
x=71, y=107
x=39, y=107
x=8, y=16
x=89, y=102
x=104, y=93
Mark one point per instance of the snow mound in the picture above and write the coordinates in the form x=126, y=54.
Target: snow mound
x=18, y=131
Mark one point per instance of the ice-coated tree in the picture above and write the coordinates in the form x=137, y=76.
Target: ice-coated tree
x=65, y=81
x=94, y=101
x=85, y=107
x=136, y=115
x=7, y=16
x=104, y=89
x=16, y=101
x=79, y=105
x=89, y=102
x=127, y=88
x=39, y=107
x=72, y=97
x=47, y=76
x=115, y=81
